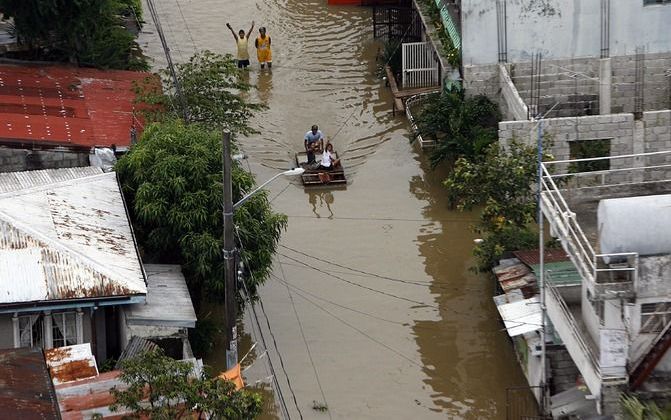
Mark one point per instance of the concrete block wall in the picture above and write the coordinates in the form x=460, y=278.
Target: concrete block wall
x=574, y=84
x=568, y=87
x=14, y=160
x=482, y=80
x=657, y=82
x=627, y=136
x=657, y=131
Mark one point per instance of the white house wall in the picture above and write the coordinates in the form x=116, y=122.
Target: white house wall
x=561, y=29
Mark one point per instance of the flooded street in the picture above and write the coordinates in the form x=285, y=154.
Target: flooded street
x=371, y=309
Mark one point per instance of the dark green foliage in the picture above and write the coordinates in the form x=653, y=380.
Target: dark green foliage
x=162, y=388
x=502, y=183
x=87, y=32
x=635, y=409
x=173, y=179
x=211, y=90
x=583, y=149
x=462, y=127
x=202, y=338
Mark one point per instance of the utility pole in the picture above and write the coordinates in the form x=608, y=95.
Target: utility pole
x=229, y=257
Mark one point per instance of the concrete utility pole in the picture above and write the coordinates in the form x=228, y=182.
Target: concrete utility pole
x=229, y=257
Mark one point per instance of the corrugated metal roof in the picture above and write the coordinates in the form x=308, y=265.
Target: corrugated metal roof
x=67, y=105
x=135, y=347
x=26, y=391
x=72, y=239
x=81, y=399
x=71, y=363
x=532, y=256
x=14, y=181
x=168, y=302
x=522, y=316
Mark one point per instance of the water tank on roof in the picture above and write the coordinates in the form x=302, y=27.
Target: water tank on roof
x=635, y=224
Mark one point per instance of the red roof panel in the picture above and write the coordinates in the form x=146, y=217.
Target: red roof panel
x=67, y=106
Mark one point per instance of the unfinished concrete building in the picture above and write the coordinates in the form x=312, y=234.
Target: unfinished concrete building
x=595, y=77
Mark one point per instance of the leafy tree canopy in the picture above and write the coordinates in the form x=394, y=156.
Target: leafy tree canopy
x=173, y=178
x=162, y=388
x=502, y=182
x=211, y=91
x=87, y=32
x=462, y=126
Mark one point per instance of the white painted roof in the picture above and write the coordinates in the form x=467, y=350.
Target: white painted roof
x=65, y=234
x=522, y=316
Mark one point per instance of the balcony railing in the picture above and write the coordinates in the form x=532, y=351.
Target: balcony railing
x=607, y=276
x=567, y=327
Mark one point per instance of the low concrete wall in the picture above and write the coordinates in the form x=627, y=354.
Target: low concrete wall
x=627, y=136
x=515, y=108
x=14, y=160
x=574, y=86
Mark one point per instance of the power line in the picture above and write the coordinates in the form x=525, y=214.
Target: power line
x=272, y=335
x=305, y=341
x=361, y=332
x=437, y=284
x=438, y=308
x=187, y=26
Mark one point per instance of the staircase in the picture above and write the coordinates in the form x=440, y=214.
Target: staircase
x=648, y=362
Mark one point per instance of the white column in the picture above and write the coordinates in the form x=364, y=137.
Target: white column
x=80, y=326
x=17, y=331
x=48, y=331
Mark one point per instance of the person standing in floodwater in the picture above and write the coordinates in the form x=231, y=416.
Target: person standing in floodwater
x=262, y=45
x=242, y=44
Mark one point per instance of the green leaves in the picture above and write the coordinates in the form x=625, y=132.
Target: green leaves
x=462, y=127
x=211, y=89
x=502, y=183
x=88, y=32
x=173, y=178
x=159, y=387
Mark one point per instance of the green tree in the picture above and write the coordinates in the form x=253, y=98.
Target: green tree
x=503, y=184
x=211, y=91
x=159, y=387
x=462, y=126
x=173, y=179
x=88, y=32
x=636, y=410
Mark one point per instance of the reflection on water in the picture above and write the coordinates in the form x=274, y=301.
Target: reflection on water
x=395, y=323
x=320, y=199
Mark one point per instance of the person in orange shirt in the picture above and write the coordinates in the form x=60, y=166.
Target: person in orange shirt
x=263, y=52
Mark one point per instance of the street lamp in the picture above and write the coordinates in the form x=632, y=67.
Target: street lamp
x=230, y=271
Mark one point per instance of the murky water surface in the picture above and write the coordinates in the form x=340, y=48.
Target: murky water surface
x=371, y=309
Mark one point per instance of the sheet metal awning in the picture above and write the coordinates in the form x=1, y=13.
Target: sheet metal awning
x=522, y=316
x=168, y=303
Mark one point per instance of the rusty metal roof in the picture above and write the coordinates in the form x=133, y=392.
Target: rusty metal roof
x=532, y=256
x=26, y=391
x=71, y=363
x=67, y=106
x=81, y=399
x=71, y=238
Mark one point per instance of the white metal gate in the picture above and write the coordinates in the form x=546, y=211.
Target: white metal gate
x=420, y=65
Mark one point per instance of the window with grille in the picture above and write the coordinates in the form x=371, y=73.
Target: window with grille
x=30, y=331
x=64, y=327
x=655, y=316
x=646, y=2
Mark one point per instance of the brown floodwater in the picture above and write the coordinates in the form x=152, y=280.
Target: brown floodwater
x=371, y=310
